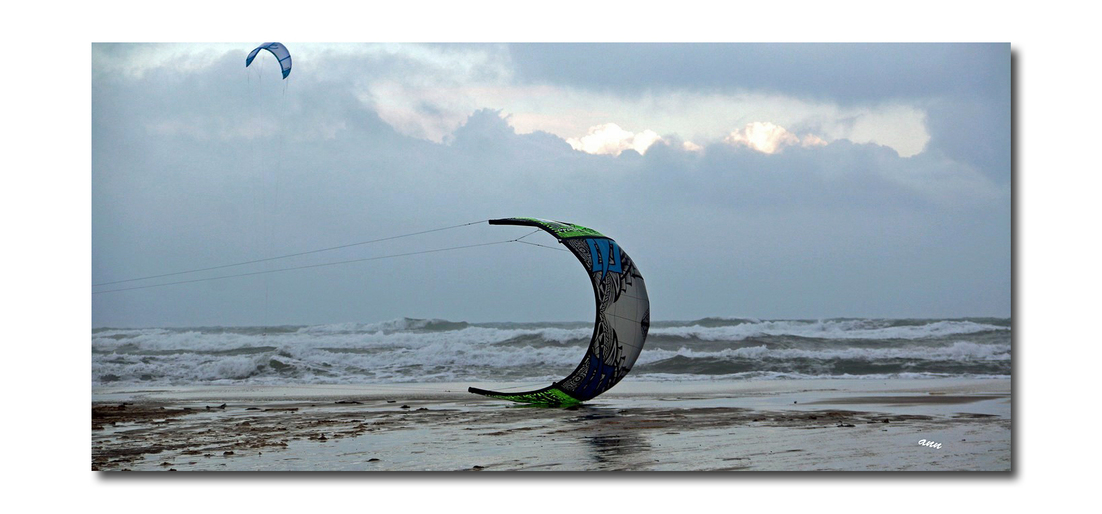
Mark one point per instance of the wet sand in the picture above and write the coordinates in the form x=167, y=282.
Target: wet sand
x=798, y=425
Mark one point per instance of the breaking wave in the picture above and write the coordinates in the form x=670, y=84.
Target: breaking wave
x=420, y=350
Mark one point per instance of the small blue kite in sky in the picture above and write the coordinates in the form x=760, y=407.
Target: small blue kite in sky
x=278, y=50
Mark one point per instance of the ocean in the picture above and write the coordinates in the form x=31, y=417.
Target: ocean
x=434, y=350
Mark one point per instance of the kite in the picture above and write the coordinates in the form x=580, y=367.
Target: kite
x=278, y=50
x=623, y=316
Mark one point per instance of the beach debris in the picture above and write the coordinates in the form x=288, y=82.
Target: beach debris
x=223, y=406
x=404, y=407
x=228, y=452
x=354, y=402
x=121, y=415
x=373, y=459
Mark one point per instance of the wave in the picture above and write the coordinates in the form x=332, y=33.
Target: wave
x=958, y=351
x=417, y=350
x=388, y=327
x=826, y=329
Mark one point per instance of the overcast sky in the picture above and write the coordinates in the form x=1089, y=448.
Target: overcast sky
x=769, y=181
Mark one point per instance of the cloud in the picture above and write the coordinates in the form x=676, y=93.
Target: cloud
x=864, y=93
x=827, y=225
x=610, y=139
x=849, y=74
x=690, y=146
x=427, y=91
x=766, y=137
x=812, y=140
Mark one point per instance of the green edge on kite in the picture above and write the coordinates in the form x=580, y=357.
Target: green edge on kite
x=550, y=396
x=565, y=230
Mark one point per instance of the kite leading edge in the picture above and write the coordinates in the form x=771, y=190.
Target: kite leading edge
x=623, y=316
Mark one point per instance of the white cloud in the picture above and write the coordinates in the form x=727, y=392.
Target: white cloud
x=812, y=140
x=883, y=126
x=690, y=146
x=707, y=117
x=427, y=91
x=610, y=139
x=439, y=88
x=766, y=137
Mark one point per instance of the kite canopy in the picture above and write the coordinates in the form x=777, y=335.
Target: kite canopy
x=623, y=316
x=278, y=50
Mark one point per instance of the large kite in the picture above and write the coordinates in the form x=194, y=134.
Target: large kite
x=623, y=316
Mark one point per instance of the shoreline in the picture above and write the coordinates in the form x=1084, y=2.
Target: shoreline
x=785, y=425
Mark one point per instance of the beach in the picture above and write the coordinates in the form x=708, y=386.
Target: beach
x=930, y=424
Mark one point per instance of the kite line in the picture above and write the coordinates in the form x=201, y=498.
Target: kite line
x=309, y=266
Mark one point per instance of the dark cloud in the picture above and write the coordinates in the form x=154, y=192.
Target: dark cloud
x=974, y=131
x=837, y=72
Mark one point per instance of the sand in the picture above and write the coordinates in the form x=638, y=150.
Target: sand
x=770, y=425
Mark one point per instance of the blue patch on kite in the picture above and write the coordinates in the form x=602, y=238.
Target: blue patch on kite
x=596, y=379
x=605, y=254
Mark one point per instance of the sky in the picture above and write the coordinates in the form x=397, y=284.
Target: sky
x=745, y=180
